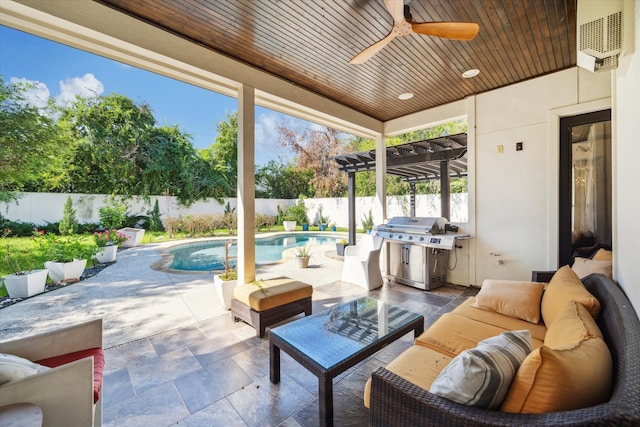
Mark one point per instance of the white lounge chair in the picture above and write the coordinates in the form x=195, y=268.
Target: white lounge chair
x=362, y=263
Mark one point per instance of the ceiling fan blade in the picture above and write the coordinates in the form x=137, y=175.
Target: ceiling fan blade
x=396, y=9
x=447, y=30
x=373, y=49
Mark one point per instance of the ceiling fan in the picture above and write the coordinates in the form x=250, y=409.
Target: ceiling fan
x=403, y=24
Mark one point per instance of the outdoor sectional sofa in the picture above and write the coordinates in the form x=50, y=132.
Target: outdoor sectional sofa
x=398, y=394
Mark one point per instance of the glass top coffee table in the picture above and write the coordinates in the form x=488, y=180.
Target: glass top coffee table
x=330, y=342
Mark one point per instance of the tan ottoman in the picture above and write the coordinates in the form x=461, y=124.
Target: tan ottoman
x=273, y=301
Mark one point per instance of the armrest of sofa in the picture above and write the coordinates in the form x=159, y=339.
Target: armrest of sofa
x=74, y=338
x=397, y=402
x=542, y=276
x=64, y=394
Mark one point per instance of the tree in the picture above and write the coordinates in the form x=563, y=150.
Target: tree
x=223, y=154
x=314, y=149
x=277, y=180
x=28, y=140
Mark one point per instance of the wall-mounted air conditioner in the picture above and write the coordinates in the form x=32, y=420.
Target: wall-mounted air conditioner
x=599, y=24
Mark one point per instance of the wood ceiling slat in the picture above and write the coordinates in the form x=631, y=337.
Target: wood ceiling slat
x=309, y=42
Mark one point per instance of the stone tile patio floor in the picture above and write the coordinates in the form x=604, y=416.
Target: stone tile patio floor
x=174, y=356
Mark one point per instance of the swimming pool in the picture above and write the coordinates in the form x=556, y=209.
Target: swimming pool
x=209, y=255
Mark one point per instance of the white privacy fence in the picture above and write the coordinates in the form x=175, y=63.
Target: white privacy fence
x=41, y=208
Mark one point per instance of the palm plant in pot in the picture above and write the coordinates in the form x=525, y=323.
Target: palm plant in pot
x=68, y=255
x=224, y=283
x=22, y=283
x=107, y=243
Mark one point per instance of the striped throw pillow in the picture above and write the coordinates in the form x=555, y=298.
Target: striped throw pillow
x=481, y=376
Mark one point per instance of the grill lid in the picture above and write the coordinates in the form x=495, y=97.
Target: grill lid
x=414, y=224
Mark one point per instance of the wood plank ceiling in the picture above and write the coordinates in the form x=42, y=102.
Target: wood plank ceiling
x=310, y=43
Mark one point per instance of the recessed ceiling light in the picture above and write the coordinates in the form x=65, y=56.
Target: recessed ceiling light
x=406, y=95
x=470, y=73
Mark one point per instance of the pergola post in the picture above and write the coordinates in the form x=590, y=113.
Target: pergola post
x=412, y=199
x=445, y=208
x=351, y=192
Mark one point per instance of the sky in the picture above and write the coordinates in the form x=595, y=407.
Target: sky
x=63, y=72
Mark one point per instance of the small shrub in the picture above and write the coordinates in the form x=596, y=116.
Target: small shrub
x=69, y=224
x=155, y=221
x=113, y=216
x=172, y=225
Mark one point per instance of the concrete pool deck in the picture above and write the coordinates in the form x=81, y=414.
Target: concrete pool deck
x=137, y=301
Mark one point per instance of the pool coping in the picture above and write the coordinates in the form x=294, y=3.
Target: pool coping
x=166, y=257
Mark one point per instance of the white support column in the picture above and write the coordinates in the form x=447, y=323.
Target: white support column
x=380, y=213
x=246, y=186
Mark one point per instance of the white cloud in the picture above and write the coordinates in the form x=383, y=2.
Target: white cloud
x=36, y=94
x=87, y=86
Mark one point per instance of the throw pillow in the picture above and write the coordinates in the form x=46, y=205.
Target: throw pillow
x=575, y=376
x=565, y=286
x=603, y=255
x=585, y=266
x=517, y=299
x=482, y=376
x=573, y=323
x=13, y=368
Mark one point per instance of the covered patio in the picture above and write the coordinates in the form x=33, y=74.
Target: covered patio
x=175, y=356
x=294, y=58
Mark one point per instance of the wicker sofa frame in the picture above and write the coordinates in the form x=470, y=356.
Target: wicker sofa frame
x=397, y=402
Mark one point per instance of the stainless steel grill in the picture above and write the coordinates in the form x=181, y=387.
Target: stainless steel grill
x=418, y=250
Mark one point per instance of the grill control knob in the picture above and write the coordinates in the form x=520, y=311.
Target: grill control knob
x=421, y=238
x=391, y=236
x=410, y=237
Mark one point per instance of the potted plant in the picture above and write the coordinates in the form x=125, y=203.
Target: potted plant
x=22, y=283
x=332, y=227
x=133, y=236
x=340, y=247
x=68, y=256
x=224, y=283
x=108, y=242
x=367, y=222
x=303, y=254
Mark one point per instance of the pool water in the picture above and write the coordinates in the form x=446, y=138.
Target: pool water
x=209, y=255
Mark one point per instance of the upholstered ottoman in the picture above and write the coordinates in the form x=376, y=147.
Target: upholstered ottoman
x=270, y=301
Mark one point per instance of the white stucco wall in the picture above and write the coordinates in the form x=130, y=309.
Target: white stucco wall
x=626, y=155
x=516, y=200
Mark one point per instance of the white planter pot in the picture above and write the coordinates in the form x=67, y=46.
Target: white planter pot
x=289, y=225
x=134, y=236
x=107, y=254
x=224, y=290
x=26, y=285
x=61, y=271
x=302, y=261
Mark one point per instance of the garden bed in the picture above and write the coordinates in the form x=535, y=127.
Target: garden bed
x=6, y=301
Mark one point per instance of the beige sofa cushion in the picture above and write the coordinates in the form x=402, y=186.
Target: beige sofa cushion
x=572, y=370
x=512, y=298
x=452, y=334
x=564, y=287
x=538, y=330
x=418, y=365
